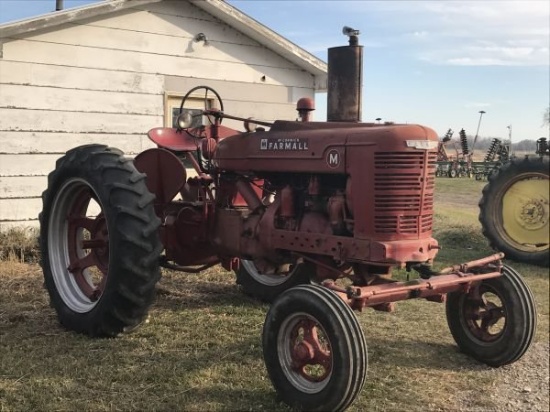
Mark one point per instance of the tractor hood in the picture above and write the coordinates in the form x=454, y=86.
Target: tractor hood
x=315, y=147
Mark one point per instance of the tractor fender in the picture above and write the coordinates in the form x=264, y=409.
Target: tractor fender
x=165, y=172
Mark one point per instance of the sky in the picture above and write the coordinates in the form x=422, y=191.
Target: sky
x=436, y=63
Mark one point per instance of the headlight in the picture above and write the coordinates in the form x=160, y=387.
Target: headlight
x=184, y=120
x=422, y=144
x=249, y=125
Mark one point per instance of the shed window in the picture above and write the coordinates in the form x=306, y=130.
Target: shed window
x=193, y=105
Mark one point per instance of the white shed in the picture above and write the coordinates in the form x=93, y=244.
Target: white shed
x=109, y=72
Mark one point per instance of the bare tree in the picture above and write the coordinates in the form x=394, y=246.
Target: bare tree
x=546, y=117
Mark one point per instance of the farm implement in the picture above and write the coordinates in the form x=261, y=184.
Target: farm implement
x=461, y=164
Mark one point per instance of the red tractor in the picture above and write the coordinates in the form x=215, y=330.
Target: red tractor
x=312, y=216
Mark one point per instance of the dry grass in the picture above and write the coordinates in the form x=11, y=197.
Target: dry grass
x=201, y=350
x=19, y=243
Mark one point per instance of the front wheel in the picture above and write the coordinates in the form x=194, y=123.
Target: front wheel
x=266, y=287
x=99, y=242
x=314, y=350
x=495, y=322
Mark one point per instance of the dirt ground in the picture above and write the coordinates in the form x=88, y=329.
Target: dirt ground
x=522, y=386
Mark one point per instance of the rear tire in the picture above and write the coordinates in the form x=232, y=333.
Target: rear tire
x=267, y=287
x=495, y=322
x=514, y=210
x=314, y=350
x=99, y=242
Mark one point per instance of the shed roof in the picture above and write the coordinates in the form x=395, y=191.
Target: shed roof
x=218, y=8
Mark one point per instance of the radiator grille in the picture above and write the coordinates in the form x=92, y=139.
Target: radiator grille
x=403, y=192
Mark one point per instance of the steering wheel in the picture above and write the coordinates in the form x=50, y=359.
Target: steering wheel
x=206, y=106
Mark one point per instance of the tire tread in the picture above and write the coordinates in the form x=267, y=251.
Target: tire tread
x=133, y=233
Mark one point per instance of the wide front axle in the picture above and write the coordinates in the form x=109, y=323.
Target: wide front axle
x=381, y=295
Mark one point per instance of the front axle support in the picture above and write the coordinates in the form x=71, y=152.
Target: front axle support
x=451, y=279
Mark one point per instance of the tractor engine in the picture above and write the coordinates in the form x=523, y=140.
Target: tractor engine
x=311, y=202
x=351, y=192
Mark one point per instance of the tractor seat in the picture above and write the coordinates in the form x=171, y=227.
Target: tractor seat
x=172, y=139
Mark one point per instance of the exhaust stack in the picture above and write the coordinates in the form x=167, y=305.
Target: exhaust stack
x=345, y=80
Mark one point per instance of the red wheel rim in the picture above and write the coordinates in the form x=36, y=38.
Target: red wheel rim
x=484, y=314
x=88, y=245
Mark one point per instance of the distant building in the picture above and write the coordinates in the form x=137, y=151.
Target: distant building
x=109, y=72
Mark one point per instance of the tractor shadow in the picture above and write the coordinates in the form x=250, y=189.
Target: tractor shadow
x=202, y=295
x=419, y=353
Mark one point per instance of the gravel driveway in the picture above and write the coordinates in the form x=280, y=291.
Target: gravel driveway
x=520, y=387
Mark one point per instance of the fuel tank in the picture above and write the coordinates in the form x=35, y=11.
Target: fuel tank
x=317, y=147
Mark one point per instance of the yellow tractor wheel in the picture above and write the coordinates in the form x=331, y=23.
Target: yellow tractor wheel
x=514, y=210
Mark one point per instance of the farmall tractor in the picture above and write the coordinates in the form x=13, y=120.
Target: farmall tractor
x=312, y=216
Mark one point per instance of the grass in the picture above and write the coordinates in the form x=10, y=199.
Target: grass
x=19, y=243
x=201, y=350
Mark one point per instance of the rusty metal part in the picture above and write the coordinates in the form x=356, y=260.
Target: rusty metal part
x=166, y=173
x=314, y=186
x=433, y=289
x=336, y=208
x=249, y=194
x=343, y=248
x=314, y=222
x=465, y=267
x=170, y=138
x=187, y=269
x=287, y=202
x=327, y=269
x=305, y=106
x=228, y=230
x=305, y=103
x=90, y=270
x=485, y=313
x=185, y=233
x=221, y=114
x=345, y=74
x=349, y=196
x=208, y=147
x=308, y=349
x=426, y=271
x=230, y=264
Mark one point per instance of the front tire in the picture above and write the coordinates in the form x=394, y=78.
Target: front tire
x=514, y=210
x=495, y=322
x=99, y=242
x=314, y=349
